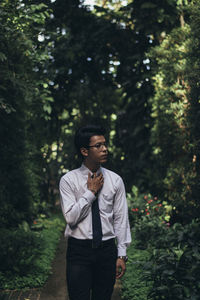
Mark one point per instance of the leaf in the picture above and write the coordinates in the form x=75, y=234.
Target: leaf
x=2, y=57
x=47, y=108
x=148, y=5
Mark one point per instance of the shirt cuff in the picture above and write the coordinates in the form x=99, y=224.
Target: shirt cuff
x=121, y=252
x=89, y=196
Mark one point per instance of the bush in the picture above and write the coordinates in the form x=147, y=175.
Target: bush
x=18, y=250
x=173, y=262
x=26, y=253
x=174, y=268
x=142, y=205
x=148, y=231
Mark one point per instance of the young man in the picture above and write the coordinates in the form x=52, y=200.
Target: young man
x=94, y=205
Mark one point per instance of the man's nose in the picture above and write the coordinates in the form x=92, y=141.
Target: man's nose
x=104, y=147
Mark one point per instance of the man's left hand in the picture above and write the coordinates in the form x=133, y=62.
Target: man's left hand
x=120, y=268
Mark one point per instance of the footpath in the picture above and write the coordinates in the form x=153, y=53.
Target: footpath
x=55, y=287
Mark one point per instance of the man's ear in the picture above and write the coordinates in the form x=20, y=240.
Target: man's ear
x=84, y=152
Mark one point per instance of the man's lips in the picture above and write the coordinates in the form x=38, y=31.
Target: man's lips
x=104, y=156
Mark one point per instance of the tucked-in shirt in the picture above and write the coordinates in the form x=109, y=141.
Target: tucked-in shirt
x=76, y=203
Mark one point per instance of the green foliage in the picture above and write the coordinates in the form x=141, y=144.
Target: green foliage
x=63, y=73
x=148, y=21
x=173, y=260
x=134, y=287
x=174, y=263
x=193, y=71
x=149, y=218
x=145, y=206
x=26, y=255
x=21, y=110
x=148, y=230
x=174, y=109
x=103, y=71
x=169, y=105
x=18, y=250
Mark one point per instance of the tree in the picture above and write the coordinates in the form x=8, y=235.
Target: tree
x=175, y=174
x=21, y=109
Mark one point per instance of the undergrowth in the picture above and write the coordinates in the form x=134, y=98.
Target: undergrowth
x=134, y=287
x=26, y=253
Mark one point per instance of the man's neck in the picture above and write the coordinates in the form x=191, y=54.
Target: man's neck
x=92, y=167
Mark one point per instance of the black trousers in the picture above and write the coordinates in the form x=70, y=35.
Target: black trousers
x=91, y=272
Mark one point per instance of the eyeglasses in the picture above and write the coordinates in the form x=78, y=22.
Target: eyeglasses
x=99, y=146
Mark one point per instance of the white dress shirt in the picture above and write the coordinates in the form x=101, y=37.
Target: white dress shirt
x=76, y=202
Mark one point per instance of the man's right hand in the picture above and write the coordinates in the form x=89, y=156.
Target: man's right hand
x=95, y=182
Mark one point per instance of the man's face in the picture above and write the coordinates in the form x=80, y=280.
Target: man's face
x=97, y=151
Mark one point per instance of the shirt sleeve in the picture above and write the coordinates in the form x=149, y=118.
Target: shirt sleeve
x=74, y=210
x=121, y=222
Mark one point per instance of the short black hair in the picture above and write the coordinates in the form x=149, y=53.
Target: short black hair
x=83, y=135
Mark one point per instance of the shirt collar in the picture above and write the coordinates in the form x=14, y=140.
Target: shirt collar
x=85, y=170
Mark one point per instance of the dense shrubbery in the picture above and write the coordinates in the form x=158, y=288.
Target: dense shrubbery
x=26, y=253
x=173, y=261
x=142, y=205
x=173, y=243
x=18, y=250
x=174, y=265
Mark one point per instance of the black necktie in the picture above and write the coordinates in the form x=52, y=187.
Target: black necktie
x=96, y=224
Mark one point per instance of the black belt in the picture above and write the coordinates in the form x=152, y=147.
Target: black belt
x=89, y=243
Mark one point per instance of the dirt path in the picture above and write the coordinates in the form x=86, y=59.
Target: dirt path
x=55, y=287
